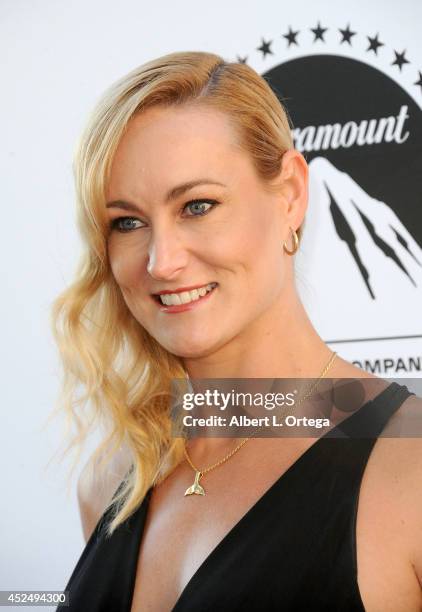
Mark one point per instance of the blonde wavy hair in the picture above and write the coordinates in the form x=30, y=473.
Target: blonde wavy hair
x=125, y=373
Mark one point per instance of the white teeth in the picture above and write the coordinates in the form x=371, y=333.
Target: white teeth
x=175, y=299
x=185, y=297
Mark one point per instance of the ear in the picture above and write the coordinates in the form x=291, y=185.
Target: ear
x=293, y=181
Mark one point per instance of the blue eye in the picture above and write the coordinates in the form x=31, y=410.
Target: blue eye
x=193, y=203
x=125, y=224
x=114, y=224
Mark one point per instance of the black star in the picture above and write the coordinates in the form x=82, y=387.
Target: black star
x=319, y=32
x=400, y=60
x=242, y=60
x=265, y=48
x=347, y=35
x=420, y=80
x=291, y=37
x=374, y=43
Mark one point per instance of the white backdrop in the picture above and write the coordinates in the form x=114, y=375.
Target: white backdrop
x=58, y=57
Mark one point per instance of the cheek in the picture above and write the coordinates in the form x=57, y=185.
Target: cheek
x=257, y=247
x=125, y=266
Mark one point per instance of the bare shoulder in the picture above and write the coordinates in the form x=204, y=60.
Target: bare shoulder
x=406, y=420
x=96, y=486
x=369, y=385
x=398, y=464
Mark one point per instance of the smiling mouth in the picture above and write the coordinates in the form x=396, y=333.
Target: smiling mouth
x=184, y=297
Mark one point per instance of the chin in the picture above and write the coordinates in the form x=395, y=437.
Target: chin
x=191, y=352
x=191, y=349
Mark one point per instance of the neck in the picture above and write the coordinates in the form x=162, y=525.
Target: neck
x=282, y=344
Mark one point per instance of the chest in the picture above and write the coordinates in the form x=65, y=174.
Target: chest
x=181, y=534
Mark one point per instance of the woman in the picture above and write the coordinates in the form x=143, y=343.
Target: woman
x=187, y=178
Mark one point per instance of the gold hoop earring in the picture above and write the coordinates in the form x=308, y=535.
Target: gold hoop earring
x=295, y=243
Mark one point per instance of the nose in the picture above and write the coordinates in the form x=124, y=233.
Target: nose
x=166, y=255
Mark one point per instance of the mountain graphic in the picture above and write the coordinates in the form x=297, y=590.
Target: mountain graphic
x=359, y=269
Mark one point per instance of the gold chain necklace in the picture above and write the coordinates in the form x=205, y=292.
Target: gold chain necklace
x=196, y=488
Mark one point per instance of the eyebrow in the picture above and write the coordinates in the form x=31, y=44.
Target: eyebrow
x=172, y=194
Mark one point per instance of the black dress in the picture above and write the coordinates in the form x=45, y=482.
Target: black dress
x=294, y=550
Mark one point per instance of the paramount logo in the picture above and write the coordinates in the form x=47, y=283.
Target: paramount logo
x=366, y=132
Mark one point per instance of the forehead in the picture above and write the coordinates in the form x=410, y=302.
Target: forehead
x=164, y=146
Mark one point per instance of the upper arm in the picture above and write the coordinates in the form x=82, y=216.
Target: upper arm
x=413, y=448
x=406, y=462
x=96, y=487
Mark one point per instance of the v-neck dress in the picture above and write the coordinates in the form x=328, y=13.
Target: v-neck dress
x=294, y=550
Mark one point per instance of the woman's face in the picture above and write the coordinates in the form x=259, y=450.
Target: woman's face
x=187, y=209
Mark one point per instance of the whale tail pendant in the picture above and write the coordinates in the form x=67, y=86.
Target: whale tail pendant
x=196, y=487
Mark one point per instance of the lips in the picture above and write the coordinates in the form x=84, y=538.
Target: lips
x=175, y=308
x=182, y=289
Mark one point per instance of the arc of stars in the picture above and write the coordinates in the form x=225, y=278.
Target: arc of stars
x=346, y=36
